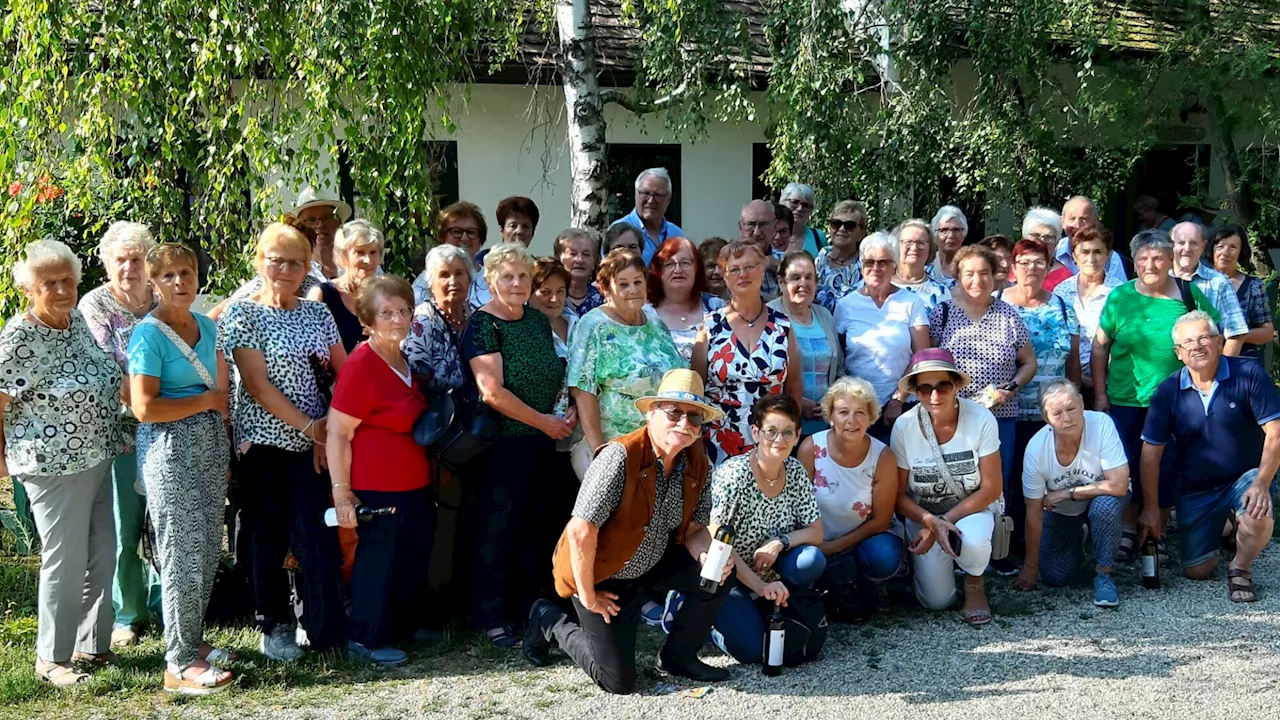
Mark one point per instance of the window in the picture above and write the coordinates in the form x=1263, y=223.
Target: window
x=761, y=158
x=625, y=161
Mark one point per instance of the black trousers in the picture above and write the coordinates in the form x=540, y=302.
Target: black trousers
x=389, y=574
x=284, y=503
x=607, y=651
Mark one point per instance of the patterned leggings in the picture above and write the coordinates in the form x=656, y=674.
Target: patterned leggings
x=184, y=467
x=1060, y=544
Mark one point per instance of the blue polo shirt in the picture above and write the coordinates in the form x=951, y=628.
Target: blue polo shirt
x=651, y=244
x=1217, y=437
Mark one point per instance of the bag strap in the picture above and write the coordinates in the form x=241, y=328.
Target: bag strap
x=187, y=352
x=1188, y=299
x=926, y=427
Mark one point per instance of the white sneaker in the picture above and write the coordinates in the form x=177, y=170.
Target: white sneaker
x=279, y=645
x=300, y=637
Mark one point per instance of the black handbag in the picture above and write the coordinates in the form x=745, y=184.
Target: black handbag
x=805, y=620
x=470, y=434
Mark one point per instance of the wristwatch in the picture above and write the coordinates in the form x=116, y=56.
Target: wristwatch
x=1011, y=386
x=786, y=542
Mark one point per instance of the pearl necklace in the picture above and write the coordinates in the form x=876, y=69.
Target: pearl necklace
x=31, y=314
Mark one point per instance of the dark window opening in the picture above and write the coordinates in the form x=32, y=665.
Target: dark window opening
x=625, y=162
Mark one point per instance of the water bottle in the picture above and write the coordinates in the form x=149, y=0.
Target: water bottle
x=720, y=552
x=364, y=513
x=1150, y=564
x=774, y=641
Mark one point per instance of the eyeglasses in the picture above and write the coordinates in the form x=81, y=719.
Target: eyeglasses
x=799, y=204
x=757, y=224
x=458, y=233
x=389, y=315
x=774, y=434
x=742, y=270
x=942, y=388
x=837, y=225
x=913, y=243
x=950, y=231
x=677, y=265
x=278, y=263
x=675, y=414
x=1032, y=264
x=1196, y=342
x=1041, y=237
x=647, y=195
x=882, y=263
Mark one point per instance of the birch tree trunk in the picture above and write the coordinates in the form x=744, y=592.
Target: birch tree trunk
x=585, y=106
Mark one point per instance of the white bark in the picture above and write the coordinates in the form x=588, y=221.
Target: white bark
x=585, y=106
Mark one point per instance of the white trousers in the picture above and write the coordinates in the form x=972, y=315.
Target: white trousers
x=935, y=579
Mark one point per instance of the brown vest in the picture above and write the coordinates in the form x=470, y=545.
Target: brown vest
x=622, y=533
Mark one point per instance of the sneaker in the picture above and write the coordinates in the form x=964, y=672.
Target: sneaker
x=382, y=657
x=1003, y=567
x=675, y=601
x=651, y=614
x=300, y=637
x=1105, y=593
x=279, y=645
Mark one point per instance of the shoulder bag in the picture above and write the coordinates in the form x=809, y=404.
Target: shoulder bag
x=1003, y=529
x=473, y=427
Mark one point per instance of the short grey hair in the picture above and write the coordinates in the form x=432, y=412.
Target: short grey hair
x=130, y=235
x=797, y=190
x=39, y=255
x=879, y=240
x=358, y=233
x=1193, y=317
x=444, y=254
x=1154, y=238
x=1081, y=198
x=1053, y=388
x=658, y=172
x=503, y=254
x=1042, y=216
x=1183, y=228
x=945, y=213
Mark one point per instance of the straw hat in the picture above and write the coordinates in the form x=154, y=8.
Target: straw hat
x=310, y=197
x=932, y=360
x=682, y=386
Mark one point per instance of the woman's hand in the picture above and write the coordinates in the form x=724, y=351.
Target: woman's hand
x=1026, y=579
x=923, y=543
x=218, y=401
x=892, y=411
x=345, y=502
x=556, y=428
x=571, y=417
x=809, y=409
x=725, y=571
x=777, y=592
x=766, y=555
x=1003, y=396
x=1053, y=497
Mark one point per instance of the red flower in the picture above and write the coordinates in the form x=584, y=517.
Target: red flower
x=820, y=480
x=15, y=188
x=724, y=356
x=864, y=511
x=730, y=442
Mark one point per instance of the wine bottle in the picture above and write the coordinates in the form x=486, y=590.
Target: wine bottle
x=774, y=640
x=720, y=552
x=364, y=513
x=1150, y=564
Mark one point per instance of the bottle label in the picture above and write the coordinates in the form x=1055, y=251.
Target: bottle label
x=717, y=555
x=1148, y=565
x=331, y=517
x=777, y=638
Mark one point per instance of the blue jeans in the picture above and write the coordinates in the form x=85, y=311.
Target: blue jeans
x=1008, y=429
x=740, y=625
x=1202, y=515
x=1060, y=543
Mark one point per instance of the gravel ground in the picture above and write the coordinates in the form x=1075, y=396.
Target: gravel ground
x=1182, y=652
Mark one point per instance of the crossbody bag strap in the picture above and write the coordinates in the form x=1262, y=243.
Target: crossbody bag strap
x=926, y=427
x=188, y=353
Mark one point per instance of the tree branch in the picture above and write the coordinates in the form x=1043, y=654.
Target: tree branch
x=621, y=98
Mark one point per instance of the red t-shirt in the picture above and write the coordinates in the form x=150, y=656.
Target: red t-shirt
x=1055, y=276
x=384, y=456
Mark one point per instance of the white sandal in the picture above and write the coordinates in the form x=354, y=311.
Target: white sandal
x=206, y=683
x=220, y=657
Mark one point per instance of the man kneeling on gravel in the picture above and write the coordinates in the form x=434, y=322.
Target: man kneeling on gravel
x=1222, y=415
x=638, y=527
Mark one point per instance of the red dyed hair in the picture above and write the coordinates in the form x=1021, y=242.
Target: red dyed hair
x=667, y=251
x=1031, y=247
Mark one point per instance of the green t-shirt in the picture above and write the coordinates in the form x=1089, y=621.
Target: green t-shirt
x=531, y=370
x=1141, y=333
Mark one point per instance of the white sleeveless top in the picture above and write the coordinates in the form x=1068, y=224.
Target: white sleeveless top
x=844, y=494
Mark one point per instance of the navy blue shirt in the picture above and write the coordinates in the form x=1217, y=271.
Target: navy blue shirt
x=1216, y=438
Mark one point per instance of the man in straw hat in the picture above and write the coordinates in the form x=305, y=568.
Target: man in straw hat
x=638, y=526
x=321, y=215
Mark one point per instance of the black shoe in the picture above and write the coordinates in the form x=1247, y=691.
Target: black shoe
x=693, y=669
x=542, y=617
x=1003, y=567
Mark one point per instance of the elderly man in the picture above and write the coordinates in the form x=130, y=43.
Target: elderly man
x=758, y=224
x=322, y=214
x=1188, y=248
x=653, y=196
x=1079, y=212
x=639, y=526
x=1222, y=415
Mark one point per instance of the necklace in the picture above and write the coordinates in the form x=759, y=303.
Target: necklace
x=759, y=469
x=43, y=324
x=752, y=322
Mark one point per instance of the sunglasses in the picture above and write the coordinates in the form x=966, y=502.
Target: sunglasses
x=943, y=387
x=675, y=414
x=846, y=225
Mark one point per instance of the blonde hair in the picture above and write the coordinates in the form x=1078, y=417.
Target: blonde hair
x=282, y=236
x=854, y=388
x=506, y=253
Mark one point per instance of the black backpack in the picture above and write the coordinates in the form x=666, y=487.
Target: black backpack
x=805, y=620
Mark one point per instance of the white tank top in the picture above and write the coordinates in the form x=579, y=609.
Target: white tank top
x=844, y=494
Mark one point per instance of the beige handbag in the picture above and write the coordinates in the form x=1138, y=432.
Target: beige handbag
x=1003, y=529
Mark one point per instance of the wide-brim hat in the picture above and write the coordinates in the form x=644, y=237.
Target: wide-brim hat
x=683, y=387
x=310, y=197
x=933, y=360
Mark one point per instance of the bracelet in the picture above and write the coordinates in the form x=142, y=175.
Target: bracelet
x=308, y=427
x=335, y=486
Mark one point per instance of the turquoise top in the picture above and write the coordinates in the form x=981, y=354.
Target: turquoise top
x=154, y=355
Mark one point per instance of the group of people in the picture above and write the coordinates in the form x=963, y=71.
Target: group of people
x=857, y=406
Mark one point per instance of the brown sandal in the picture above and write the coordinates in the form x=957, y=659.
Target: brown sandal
x=94, y=659
x=1240, y=586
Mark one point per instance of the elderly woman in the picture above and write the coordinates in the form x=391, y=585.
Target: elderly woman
x=287, y=351
x=769, y=501
x=375, y=462
x=1074, y=473
x=461, y=224
x=949, y=479
x=837, y=264
x=821, y=354
x=799, y=198
x=745, y=351
x=622, y=235
x=1003, y=249
x=60, y=406
x=677, y=292
x=709, y=252
x=915, y=247
x=1133, y=352
x=179, y=379
x=949, y=228
x=111, y=310
x=855, y=481
x=1086, y=292
x=513, y=358
x=619, y=352
x=433, y=344
x=1229, y=249
x=358, y=248
x=517, y=222
x=575, y=248
x=880, y=325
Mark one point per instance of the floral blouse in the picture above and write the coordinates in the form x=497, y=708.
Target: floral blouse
x=1051, y=327
x=111, y=326
x=737, y=377
x=834, y=283
x=65, y=414
x=434, y=349
x=578, y=309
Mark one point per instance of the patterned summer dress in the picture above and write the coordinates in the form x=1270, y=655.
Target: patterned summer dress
x=737, y=377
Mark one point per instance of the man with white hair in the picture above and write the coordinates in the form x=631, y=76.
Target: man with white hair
x=1222, y=417
x=1188, y=248
x=1078, y=212
x=653, y=196
x=758, y=225
x=321, y=214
